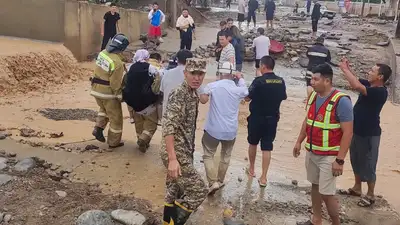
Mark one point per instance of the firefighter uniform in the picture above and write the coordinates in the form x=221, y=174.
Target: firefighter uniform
x=186, y=193
x=107, y=90
x=317, y=54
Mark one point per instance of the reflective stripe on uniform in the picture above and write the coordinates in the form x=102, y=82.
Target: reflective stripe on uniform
x=115, y=131
x=102, y=96
x=326, y=125
x=318, y=54
x=323, y=149
x=101, y=114
x=109, y=60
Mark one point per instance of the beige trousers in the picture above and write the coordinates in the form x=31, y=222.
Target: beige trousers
x=210, y=145
x=110, y=111
x=145, y=126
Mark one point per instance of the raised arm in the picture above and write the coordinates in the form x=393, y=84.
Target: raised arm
x=351, y=78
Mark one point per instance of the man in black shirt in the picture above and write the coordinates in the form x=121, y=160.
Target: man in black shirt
x=266, y=94
x=367, y=131
x=315, y=16
x=110, y=25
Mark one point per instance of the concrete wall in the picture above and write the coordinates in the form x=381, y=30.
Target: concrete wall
x=82, y=26
x=36, y=19
x=356, y=8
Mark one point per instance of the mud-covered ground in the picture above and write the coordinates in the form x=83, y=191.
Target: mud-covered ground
x=54, y=120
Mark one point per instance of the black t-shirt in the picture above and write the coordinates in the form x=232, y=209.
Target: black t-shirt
x=266, y=94
x=367, y=110
x=110, y=22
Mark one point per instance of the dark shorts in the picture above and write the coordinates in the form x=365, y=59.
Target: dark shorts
x=240, y=17
x=262, y=128
x=257, y=63
x=251, y=15
x=308, y=81
x=314, y=25
x=364, y=156
x=269, y=16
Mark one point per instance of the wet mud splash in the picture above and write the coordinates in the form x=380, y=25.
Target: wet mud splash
x=69, y=114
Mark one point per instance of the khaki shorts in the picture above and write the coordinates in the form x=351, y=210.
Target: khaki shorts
x=319, y=171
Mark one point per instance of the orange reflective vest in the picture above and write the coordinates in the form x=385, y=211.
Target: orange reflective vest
x=323, y=129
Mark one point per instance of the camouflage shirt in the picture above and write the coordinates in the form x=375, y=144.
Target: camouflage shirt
x=180, y=119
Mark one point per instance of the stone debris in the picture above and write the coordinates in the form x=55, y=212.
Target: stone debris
x=25, y=165
x=128, y=217
x=383, y=43
x=68, y=114
x=3, y=163
x=94, y=217
x=54, y=175
x=7, y=218
x=2, y=136
x=56, y=135
x=4, y=179
x=61, y=194
x=295, y=182
x=91, y=147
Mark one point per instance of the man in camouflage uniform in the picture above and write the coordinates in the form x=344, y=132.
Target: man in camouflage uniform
x=186, y=190
x=107, y=90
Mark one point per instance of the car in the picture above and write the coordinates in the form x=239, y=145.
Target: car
x=324, y=11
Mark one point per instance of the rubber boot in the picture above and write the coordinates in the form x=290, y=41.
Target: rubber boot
x=169, y=217
x=182, y=213
x=98, y=134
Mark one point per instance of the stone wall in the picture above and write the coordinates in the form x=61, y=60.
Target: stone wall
x=35, y=19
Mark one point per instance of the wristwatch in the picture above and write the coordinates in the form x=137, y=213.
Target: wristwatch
x=340, y=161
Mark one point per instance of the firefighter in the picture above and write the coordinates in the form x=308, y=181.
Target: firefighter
x=107, y=90
x=317, y=54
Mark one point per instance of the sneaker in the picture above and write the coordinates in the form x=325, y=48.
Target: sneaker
x=214, y=187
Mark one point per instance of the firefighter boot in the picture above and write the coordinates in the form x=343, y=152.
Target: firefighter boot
x=182, y=213
x=143, y=142
x=169, y=217
x=98, y=134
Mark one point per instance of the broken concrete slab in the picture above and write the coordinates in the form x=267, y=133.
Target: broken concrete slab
x=299, y=18
x=3, y=163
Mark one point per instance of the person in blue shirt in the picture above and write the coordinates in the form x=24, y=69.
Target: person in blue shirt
x=156, y=17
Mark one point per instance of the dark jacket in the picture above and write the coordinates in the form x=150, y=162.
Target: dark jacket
x=317, y=54
x=253, y=5
x=137, y=92
x=316, y=12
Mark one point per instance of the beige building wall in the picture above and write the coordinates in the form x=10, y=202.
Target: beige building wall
x=35, y=19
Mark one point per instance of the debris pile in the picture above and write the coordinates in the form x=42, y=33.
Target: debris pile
x=37, y=71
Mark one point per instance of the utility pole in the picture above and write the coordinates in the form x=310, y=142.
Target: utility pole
x=362, y=8
x=398, y=29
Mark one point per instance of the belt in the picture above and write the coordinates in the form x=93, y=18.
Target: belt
x=96, y=80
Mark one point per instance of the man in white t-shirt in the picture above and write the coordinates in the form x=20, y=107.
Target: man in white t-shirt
x=260, y=46
x=222, y=121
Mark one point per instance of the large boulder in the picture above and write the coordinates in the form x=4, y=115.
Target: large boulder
x=128, y=217
x=94, y=217
x=4, y=179
x=25, y=165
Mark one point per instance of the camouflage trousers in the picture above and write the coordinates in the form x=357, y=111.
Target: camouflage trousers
x=110, y=111
x=189, y=189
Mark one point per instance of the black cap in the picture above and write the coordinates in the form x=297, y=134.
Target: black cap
x=118, y=43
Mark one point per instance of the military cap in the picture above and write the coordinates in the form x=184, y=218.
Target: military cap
x=194, y=64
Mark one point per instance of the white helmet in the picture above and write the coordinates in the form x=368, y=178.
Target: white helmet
x=226, y=68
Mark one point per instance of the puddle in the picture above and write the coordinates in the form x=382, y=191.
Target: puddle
x=69, y=114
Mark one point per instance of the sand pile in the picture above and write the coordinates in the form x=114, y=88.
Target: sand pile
x=38, y=71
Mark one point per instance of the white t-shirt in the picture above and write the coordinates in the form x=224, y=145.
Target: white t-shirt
x=225, y=98
x=170, y=80
x=262, y=44
x=227, y=53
